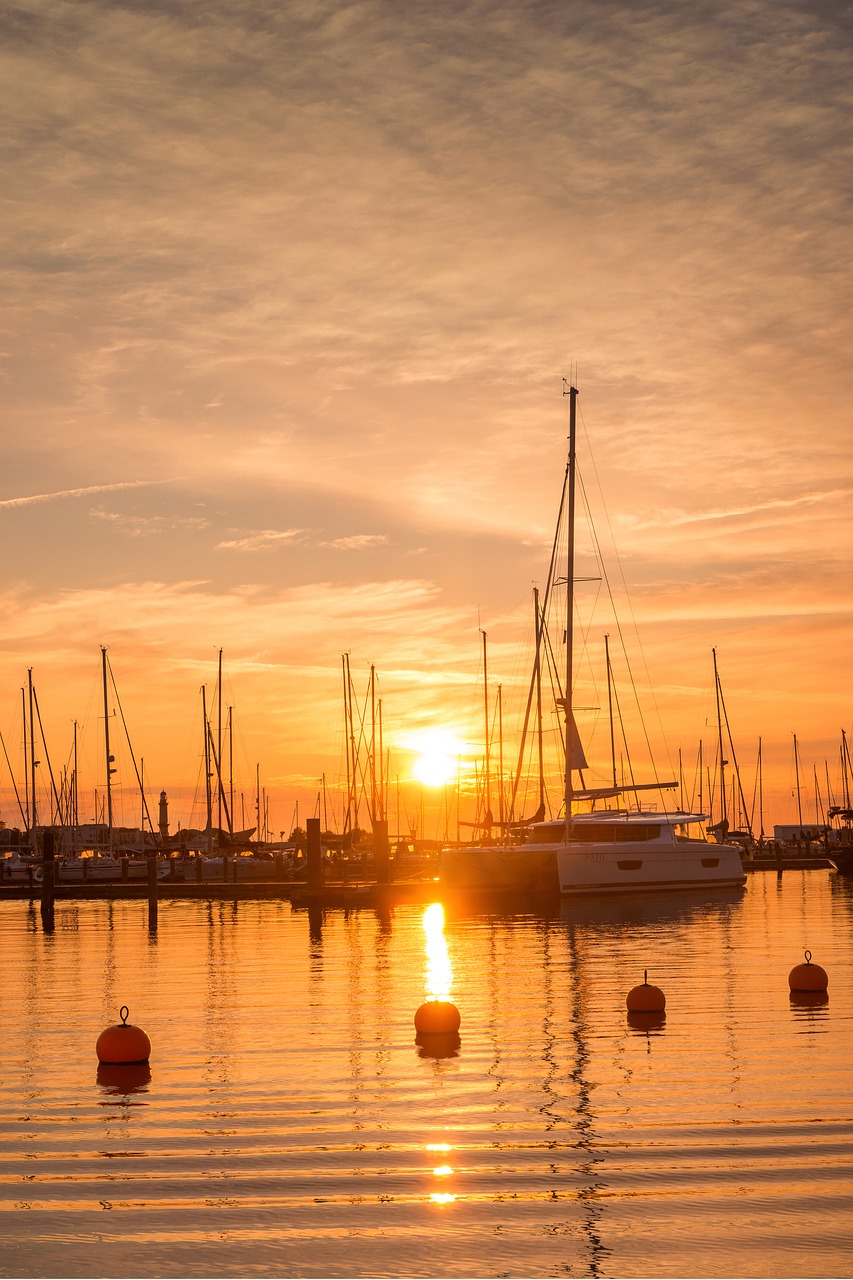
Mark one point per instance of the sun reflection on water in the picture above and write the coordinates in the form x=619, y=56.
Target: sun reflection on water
x=439, y=976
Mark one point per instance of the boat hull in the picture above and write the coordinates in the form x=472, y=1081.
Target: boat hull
x=576, y=869
x=500, y=869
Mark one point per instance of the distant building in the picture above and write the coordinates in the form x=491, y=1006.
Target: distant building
x=802, y=832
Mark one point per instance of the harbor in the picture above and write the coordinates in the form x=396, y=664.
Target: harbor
x=290, y=1117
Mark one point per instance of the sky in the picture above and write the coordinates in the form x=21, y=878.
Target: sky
x=289, y=292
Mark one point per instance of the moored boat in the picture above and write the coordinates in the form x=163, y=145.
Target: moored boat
x=603, y=850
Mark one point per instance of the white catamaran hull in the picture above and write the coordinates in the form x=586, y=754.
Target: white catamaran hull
x=610, y=866
x=604, y=869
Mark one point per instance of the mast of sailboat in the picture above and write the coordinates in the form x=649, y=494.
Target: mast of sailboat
x=760, y=794
x=381, y=783
x=572, y=393
x=107, y=753
x=797, y=777
x=538, y=674
x=373, y=814
x=348, y=809
x=219, y=741
x=501, y=814
x=26, y=760
x=487, y=779
x=208, y=799
x=723, y=811
x=32, y=760
x=819, y=819
x=75, y=781
x=231, y=771
x=610, y=709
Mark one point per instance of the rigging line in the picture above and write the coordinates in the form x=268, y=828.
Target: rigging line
x=734, y=757
x=56, y=801
x=129, y=744
x=12, y=778
x=618, y=560
x=627, y=660
x=623, y=735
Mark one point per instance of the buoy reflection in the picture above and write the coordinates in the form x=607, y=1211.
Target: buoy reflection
x=124, y=1077
x=439, y=976
x=438, y=1044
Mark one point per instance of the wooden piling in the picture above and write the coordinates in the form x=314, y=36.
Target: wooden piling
x=48, y=881
x=152, y=892
x=381, y=851
x=316, y=877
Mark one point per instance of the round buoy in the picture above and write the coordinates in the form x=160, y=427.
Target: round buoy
x=645, y=998
x=808, y=976
x=123, y=1042
x=437, y=1017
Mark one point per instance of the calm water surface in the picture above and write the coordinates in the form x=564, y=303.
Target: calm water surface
x=291, y=1126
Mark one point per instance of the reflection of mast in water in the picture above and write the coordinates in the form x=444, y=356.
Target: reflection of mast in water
x=589, y=1194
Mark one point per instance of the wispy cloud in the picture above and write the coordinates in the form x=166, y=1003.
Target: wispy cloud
x=85, y=492
x=262, y=540
x=672, y=520
x=138, y=526
x=357, y=542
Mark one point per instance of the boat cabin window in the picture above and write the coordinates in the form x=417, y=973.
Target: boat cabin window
x=614, y=832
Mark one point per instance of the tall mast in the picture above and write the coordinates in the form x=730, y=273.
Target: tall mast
x=501, y=757
x=109, y=757
x=538, y=675
x=572, y=393
x=207, y=771
x=231, y=771
x=610, y=708
x=372, y=745
x=797, y=776
x=487, y=817
x=27, y=760
x=381, y=788
x=760, y=794
x=723, y=809
x=348, y=812
x=219, y=742
x=75, y=779
x=32, y=760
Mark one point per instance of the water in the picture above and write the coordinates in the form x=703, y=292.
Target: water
x=291, y=1126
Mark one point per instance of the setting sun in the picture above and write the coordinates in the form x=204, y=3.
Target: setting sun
x=437, y=753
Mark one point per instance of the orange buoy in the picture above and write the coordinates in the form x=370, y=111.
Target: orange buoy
x=123, y=1042
x=645, y=998
x=808, y=976
x=437, y=1017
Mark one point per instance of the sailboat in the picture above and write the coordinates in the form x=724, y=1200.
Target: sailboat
x=609, y=850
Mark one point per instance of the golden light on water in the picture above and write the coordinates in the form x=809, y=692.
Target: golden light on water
x=443, y=1171
x=439, y=976
x=442, y=1197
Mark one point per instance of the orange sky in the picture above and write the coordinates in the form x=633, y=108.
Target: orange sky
x=288, y=295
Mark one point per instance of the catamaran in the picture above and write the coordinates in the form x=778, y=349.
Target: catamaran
x=599, y=850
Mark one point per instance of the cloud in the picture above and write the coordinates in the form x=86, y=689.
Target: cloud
x=138, y=526
x=34, y=498
x=262, y=540
x=357, y=542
